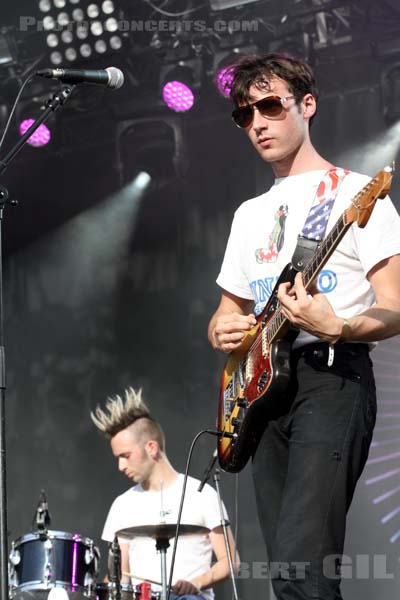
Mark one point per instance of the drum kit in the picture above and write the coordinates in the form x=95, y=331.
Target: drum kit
x=46, y=561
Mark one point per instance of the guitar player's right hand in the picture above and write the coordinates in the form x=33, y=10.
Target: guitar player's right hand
x=230, y=329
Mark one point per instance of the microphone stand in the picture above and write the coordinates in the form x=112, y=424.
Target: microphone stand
x=208, y=471
x=224, y=525
x=52, y=104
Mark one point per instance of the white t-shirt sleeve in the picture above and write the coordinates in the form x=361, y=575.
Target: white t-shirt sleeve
x=212, y=515
x=232, y=277
x=113, y=522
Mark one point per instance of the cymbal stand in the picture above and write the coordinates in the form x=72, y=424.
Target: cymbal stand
x=224, y=525
x=162, y=543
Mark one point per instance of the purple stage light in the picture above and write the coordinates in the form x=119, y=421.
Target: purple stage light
x=224, y=81
x=40, y=137
x=178, y=96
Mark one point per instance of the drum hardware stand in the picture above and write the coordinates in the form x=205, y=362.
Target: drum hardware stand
x=42, y=515
x=92, y=556
x=224, y=525
x=114, y=562
x=162, y=544
x=52, y=104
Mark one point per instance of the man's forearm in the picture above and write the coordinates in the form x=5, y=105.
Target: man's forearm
x=374, y=324
x=218, y=572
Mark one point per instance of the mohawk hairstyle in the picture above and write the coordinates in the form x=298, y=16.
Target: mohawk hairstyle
x=119, y=413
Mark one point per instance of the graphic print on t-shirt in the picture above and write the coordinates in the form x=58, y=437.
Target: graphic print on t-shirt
x=276, y=238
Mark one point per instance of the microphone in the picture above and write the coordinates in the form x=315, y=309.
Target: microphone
x=110, y=77
x=208, y=471
x=42, y=517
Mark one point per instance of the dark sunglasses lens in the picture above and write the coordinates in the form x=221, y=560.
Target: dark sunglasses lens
x=242, y=116
x=270, y=107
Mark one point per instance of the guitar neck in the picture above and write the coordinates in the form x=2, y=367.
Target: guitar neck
x=324, y=250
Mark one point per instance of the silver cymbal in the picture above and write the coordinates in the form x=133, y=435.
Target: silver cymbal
x=161, y=531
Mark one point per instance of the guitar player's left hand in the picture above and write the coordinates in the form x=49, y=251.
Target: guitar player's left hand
x=309, y=310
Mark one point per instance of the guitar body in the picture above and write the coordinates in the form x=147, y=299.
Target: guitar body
x=252, y=385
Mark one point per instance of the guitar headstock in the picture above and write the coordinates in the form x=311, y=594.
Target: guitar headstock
x=363, y=203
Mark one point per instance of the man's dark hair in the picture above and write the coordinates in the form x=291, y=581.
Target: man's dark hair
x=258, y=69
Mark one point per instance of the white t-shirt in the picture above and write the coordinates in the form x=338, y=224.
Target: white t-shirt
x=252, y=264
x=139, y=507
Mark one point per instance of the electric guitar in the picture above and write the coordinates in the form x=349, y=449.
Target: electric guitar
x=257, y=373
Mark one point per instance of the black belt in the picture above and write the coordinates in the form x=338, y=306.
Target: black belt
x=323, y=347
x=326, y=353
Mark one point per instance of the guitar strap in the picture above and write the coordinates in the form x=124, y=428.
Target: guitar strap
x=314, y=227
x=317, y=219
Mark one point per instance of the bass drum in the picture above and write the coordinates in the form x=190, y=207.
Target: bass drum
x=54, y=559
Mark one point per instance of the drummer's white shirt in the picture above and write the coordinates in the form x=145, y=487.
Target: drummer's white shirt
x=139, y=507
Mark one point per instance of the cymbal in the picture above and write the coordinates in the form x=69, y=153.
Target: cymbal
x=161, y=531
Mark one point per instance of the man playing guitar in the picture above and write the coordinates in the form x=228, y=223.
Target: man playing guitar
x=314, y=436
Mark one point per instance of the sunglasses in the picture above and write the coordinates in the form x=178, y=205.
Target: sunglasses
x=271, y=107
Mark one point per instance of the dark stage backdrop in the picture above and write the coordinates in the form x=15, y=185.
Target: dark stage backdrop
x=120, y=294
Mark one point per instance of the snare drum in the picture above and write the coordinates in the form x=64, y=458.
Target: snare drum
x=40, y=561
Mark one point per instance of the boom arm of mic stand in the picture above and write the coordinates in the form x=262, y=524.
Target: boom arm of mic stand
x=51, y=105
x=224, y=525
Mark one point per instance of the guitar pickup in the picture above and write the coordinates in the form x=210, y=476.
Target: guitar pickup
x=236, y=422
x=242, y=403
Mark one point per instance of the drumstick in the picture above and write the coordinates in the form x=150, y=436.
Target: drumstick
x=141, y=578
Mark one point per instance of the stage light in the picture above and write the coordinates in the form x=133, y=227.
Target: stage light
x=179, y=83
x=153, y=147
x=40, y=137
x=224, y=80
x=178, y=96
x=80, y=29
x=142, y=181
x=28, y=111
x=222, y=67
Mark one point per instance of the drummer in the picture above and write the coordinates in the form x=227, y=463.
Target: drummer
x=138, y=443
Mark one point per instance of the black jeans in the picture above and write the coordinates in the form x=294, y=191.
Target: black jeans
x=307, y=464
